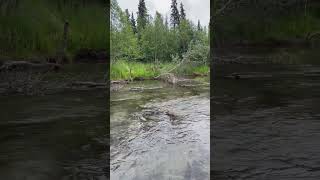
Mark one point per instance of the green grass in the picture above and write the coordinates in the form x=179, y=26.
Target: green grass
x=35, y=27
x=129, y=70
x=202, y=70
x=192, y=69
x=126, y=70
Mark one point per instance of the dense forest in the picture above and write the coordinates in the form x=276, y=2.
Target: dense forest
x=265, y=21
x=143, y=40
x=35, y=28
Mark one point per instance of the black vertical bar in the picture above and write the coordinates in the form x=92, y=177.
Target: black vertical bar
x=211, y=34
x=107, y=78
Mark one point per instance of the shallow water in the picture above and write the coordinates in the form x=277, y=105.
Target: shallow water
x=160, y=132
x=268, y=128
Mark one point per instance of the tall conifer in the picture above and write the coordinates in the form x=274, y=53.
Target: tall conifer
x=142, y=15
x=182, y=12
x=133, y=23
x=175, y=17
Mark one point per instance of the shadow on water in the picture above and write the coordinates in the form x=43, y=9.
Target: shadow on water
x=268, y=128
x=54, y=136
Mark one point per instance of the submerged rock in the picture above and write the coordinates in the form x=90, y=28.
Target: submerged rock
x=169, y=78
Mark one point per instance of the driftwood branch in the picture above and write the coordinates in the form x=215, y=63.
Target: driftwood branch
x=227, y=58
x=179, y=64
x=28, y=66
x=89, y=84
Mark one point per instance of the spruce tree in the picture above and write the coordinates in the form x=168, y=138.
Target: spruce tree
x=127, y=14
x=166, y=22
x=182, y=12
x=133, y=23
x=175, y=17
x=199, y=25
x=142, y=15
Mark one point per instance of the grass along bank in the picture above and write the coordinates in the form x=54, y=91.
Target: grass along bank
x=35, y=28
x=131, y=70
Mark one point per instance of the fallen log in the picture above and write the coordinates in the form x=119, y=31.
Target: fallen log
x=119, y=82
x=89, y=84
x=28, y=66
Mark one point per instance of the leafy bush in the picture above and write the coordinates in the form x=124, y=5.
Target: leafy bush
x=197, y=52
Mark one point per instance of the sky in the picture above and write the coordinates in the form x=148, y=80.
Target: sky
x=195, y=9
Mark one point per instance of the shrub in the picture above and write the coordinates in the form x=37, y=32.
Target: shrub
x=197, y=52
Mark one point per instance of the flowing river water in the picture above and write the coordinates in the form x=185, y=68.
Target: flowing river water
x=160, y=131
x=60, y=135
x=265, y=126
x=266, y=123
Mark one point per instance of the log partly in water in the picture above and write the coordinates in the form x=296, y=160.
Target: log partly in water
x=28, y=66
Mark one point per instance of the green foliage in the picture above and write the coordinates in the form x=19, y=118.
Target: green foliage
x=182, y=12
x=156, y=43
x=123, y=69
x=142, y=18
x=127, y=14
x=186, y=34
x=154, y=40
x=129, y=70
x=175, y=17
x=197, y=52
x=189, y=69
x=29, y=28
x=124, y=43
x=133, y=24
x=199, y=26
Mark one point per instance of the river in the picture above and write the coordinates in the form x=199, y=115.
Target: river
x=266, y=125
x=160, y=131
x=61, y=134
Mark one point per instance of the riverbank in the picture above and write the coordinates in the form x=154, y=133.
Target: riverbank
x=24, y=78
x=83, y=55
x=36, y=78
x=125, y=70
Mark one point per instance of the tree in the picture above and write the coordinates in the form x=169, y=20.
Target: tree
x=142, y=16
x=185, y=35
x=166, y=23
x=197, y=52
x=115, y=15
x=182, y=12
x=157, y=41
x=199, y=26
x=159, y=33
x=153, y=39
x=133, y=23
x=175, y=17
x=127, y=14
x=124, y=43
